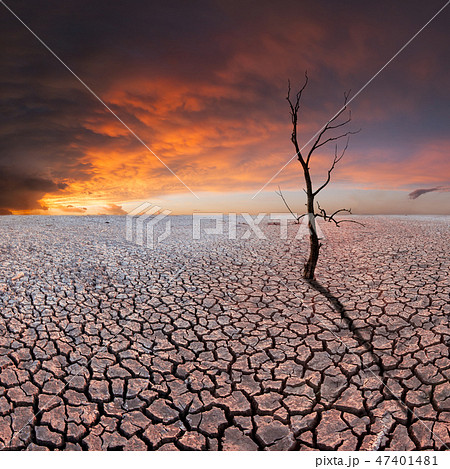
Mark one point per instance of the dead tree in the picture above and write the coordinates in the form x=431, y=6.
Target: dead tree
x=324, y=137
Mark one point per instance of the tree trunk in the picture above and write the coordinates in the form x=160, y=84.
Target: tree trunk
x=314, y=245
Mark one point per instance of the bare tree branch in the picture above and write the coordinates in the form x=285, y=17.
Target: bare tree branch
x=331, y=139
x=330, y=218
x=297, y=218
x=328, y=127
x=294, y=107
x=335, y=161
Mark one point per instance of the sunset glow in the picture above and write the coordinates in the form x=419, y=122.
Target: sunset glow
x=204, y=87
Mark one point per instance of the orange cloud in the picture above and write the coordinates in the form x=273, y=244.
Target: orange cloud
x=210, y=102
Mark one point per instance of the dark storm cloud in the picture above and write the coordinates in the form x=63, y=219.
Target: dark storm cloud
x=21, y=192
x=230, y=58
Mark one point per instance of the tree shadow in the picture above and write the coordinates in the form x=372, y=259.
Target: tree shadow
x=339, y=308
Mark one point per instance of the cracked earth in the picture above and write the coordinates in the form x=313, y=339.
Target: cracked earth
x=218, y=344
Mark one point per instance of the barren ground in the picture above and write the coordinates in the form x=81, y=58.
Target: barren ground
x=218, y=343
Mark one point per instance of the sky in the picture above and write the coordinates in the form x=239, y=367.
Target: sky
x=203, y=85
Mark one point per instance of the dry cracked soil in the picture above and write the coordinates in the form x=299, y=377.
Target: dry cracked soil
x=217, y=343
